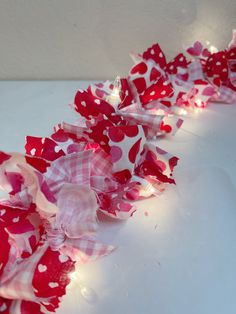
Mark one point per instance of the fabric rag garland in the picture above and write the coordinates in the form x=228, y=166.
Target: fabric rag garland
x=110, y=159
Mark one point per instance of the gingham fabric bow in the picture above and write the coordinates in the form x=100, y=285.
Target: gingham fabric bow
x=45, y=228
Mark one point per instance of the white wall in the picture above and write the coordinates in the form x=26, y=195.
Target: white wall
x=79, y=39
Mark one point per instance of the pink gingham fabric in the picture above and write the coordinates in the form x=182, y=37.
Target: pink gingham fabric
x=195, y=70
x=87, y=249
x=225, y=95
x=75, y=167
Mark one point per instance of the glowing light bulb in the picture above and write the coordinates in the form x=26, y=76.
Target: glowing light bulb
x=76, y=284
x=117, y=87
x=114, y=97
x=183, y=112
x=179, y=111
x=198, y=103
x=211, y=47
x=147, y=191
x=74, y=276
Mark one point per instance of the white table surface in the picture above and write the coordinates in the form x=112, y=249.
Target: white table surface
x=181, y=257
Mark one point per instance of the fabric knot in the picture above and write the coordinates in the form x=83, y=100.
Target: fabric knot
x=56, y=238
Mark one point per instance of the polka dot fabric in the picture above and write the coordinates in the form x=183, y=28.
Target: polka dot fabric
x=126, y=142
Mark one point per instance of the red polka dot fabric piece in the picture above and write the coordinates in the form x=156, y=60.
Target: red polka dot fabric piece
x=43, y=147
x=90, y=106
x=155, y=54
x=218, y=69
x=126, y=143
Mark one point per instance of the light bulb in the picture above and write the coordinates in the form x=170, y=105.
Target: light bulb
x=211, y=47
x=74, y=275
x=179, y=111
x=147, y=191
x=114, y=97
x=117, y=87
x=198, y=103
x=183, y=112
